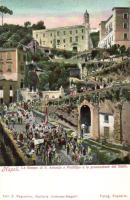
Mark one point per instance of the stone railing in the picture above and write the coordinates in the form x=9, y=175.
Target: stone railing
x=14, y=155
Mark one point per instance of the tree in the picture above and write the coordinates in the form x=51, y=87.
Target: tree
x=5, y=10
x=39, y=25
x=27, y=24
x=95, y=39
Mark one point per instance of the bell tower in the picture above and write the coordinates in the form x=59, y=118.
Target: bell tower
x=86, y=18
x=87, y=30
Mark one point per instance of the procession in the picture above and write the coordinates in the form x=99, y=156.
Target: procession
x=44, y=143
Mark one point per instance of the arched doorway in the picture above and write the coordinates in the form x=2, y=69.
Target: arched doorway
x=75, y=49
x=85, y=118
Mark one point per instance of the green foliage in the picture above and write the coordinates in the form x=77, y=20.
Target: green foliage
x=63, y=53
x=11, y=35
x=38, y=26
x=55, y=74
x=5, y=10
x=95, y=54
x=27, y=24
x=95, y=38
x=128, y=51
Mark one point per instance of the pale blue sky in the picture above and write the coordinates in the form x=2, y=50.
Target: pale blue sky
x=44, y=9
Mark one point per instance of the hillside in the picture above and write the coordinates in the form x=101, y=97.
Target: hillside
x=13, y=35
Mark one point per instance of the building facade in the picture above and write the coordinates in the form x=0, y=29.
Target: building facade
x=116, y=29
x=12, y=65
x=71, y=38
x=49, y=95
x=107, y=121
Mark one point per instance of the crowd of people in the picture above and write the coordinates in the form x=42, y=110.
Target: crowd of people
x=44, y=143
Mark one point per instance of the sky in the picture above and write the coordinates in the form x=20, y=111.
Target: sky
x=56, y=13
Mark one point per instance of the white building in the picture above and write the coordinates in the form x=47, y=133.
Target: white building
x=116, y=29
x=106, y=123
x=72, y=38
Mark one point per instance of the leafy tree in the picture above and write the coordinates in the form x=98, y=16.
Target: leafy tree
x=27, y=24
x=122, y=49
x=128, y=51
x=39, y=25
x=5, y=10
x=95, y=38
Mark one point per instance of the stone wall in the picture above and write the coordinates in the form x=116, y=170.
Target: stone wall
x=126, y=122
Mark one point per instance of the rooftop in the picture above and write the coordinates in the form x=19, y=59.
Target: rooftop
x=7, y=49
x=120, y=8
x=65, y=27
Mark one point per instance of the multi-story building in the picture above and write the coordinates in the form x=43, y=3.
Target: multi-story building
x=12, y=64
x=72, y=38
x=116, y=29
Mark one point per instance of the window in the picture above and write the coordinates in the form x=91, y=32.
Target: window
x=1, y=100
x=82, y=30
x=11, y=88
x=106, y=132
x=9, y=56
x=106, y=118
x=70, y=32
x=82, y=37
x=64, y=40
x=58, y=42
x=1, y=67
x=125, y=36
x=76, y=31
x=125, y=25
x=64, y=32
x=9, y=67
x=70, y=39
x=58, y=33
x=125, y=16
x=76, y=38
x=51, y=41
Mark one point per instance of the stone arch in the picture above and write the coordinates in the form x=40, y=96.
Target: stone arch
x=93, y=118
x=85, y=115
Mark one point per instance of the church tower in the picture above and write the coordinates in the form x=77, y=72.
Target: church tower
x=87, y=30
x=86, y=18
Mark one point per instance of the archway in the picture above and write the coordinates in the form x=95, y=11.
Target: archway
x=75, y=49
x=85, y=118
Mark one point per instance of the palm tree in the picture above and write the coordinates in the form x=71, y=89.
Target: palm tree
x=5, y=10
